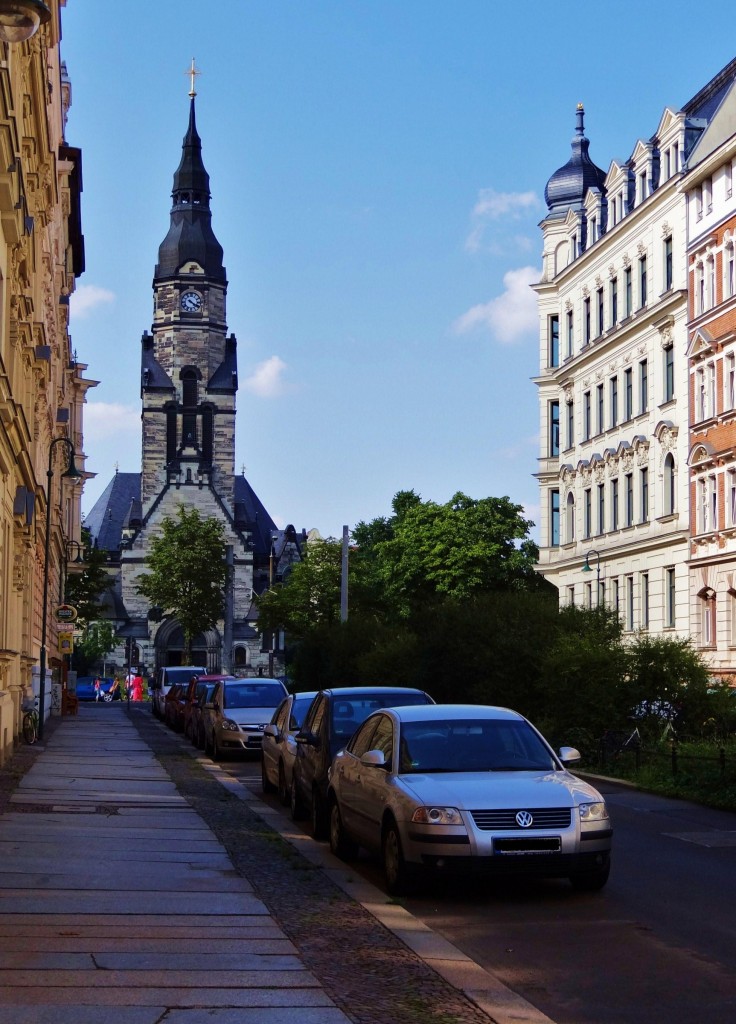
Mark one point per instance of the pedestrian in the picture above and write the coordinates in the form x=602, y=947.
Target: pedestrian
x=137, y=688
x=98, y=688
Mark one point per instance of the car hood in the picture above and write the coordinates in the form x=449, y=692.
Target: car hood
x=249, y=716
x=475, y=790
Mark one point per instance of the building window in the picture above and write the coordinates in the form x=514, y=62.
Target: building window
x=570, y=334
x=668, y=263
x=669, y=484
x=669, y=373
x=644, y=494
x=728, y=180
x=570, y=518
x=554, y=341
x=599, y=303
x=628, y=297
x=571, y=595
x=613, y=295
x=700, y=395
x=643, y=386
x=601, y=509
x=554, y=519
x=644, y=594
x=710, y=383
x=729, y=275
x=629, y=482
x=588, y=595
x=712, y=503
x=614, y=503
x=630, y=603
x=707, y=599
x=599, y=408
x=698, y=193
x=731, y=497
x=669, y=587
x=554, y=429
x=729, y=397
x=628, y=393
x=642, y=186
x=586, y=416
x=613, y=384
x=570, y=424
x=616, y=595
x=708, y=195
x=710, y=275
x=699, y=289
x=642, y=282
x=587, y=513
x=586, y=321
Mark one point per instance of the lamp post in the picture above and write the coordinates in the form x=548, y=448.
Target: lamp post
x=71, y=473
x=20, y=19
x=588, y=568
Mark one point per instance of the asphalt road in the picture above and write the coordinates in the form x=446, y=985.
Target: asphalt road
x=657, y=945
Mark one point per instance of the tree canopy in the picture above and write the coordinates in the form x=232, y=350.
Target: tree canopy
x=188, y=572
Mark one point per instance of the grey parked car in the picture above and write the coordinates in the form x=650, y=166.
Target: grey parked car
x=279, y=744
x=239, y=711
x=464, y=787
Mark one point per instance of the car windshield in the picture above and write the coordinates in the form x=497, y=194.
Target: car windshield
x=472, y=745
x=253, y=695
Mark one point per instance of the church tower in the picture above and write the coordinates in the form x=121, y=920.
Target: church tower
x=189, y=381
x=188, y=364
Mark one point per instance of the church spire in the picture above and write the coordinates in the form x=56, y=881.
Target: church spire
x=190, y=235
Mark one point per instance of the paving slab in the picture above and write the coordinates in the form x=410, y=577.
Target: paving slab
x=14, y=901
x=135, y=943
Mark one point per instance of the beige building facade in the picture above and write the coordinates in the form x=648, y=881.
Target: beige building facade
x=42, y=384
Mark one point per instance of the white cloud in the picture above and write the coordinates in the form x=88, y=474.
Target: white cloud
x=510, y=315
x=87, y=297
x=105, y=420
x=266, y=381
x=495, y=206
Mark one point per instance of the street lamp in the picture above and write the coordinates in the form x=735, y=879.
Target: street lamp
x=70, y=473
x=588, y=568
x=20, y=19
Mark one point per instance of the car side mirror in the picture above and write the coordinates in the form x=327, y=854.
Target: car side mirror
x=216, y=705
x=271, y=730
x=569, y=755
x=374, y=759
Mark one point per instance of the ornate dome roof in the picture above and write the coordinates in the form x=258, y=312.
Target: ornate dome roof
x=566, y=188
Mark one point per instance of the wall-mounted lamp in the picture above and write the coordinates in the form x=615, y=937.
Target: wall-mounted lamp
x=588, y=568
x=20, y=19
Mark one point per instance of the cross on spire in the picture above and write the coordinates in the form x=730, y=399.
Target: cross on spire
x=192, y=72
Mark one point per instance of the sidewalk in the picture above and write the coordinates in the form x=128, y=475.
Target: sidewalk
x=137, y=876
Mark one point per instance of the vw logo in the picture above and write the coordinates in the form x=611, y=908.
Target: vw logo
x=524, y=819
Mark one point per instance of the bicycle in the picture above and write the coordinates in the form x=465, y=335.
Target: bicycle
x=30, y=723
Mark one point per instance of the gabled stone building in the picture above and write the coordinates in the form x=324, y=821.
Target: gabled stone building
x=189, y=382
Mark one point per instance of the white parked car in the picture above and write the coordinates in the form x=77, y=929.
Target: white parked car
x=234, y=720
x=279, y=745
x=452, y=786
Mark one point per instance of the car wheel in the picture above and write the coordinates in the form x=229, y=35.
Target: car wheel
x=591, y=881
x=107, y=698
x=295, y=801
x=319, y=817
x=340, y=842
x=399, y=876
x=283, y=791
x=266, y=785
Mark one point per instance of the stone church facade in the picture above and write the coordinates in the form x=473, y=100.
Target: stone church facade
x=189, y=381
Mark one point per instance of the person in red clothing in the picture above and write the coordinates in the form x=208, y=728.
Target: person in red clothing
x=137, y=688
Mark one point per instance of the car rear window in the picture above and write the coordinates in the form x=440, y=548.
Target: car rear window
x=253, y=695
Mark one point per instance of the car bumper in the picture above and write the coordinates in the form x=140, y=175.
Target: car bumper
x=243, y=740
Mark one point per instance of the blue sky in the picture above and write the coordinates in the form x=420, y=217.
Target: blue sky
x=377, y=172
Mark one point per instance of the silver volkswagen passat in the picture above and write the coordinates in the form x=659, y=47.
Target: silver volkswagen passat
x=458, y=786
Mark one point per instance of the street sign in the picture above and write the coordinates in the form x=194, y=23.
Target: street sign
x=66, y=642
x=65, y=613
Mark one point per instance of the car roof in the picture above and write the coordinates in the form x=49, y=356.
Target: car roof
x=450, y=712
x=361, y=691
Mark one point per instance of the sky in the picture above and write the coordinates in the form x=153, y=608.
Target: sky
x=377, y=170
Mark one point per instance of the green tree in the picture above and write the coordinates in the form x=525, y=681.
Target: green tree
x=427, y=551
x=187, y=572
x=310, y=598
x=98, y=639
x=84, y=590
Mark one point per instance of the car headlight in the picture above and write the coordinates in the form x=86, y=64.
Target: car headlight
x=229, y=726
x=593, y=812
x=437, y=816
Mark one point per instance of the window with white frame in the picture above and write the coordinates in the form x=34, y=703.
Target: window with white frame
x=669, y=484
x=698, y=197
x=708, y=195
x=588, y=595
x=587, y=416
x=707, y=600
x=712, y=502
x=587, y=513
x=731, y=598
x=642, y=282
x=668, y=271
x=613, y=401
x=628, y=293
x=729, y=269
x=731, y=490
x=729, y=381
x=700, y=413
x=570, y=409
x=702, y=509
x=613, y=301
x=629, y=603
x=643, y=386
x=570, y=518
x=554, y=518
x=629, y=483
x=710, y=394
x=644, y=600
x=628, y=393
x=699, y=288
x=571, y=595
x=669, y=597
x=599, y=421
x=710, y=281
x=553, y=332
x=601, y=509
x=643, y=495
x=570, y=334
x=614, y=503
x=669, y=373
x=554, y=430
x=616, y=595
x=728, y=179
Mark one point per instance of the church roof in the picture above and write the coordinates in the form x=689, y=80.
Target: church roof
x=190, y=235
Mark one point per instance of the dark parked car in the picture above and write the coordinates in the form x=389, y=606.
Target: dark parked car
x=333, y=717
x=278, y=751
x=195, y=723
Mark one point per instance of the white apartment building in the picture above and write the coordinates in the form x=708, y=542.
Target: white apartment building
x=613, y=381
x=708, y=188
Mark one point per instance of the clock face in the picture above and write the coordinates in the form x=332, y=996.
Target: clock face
x=191, y=302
